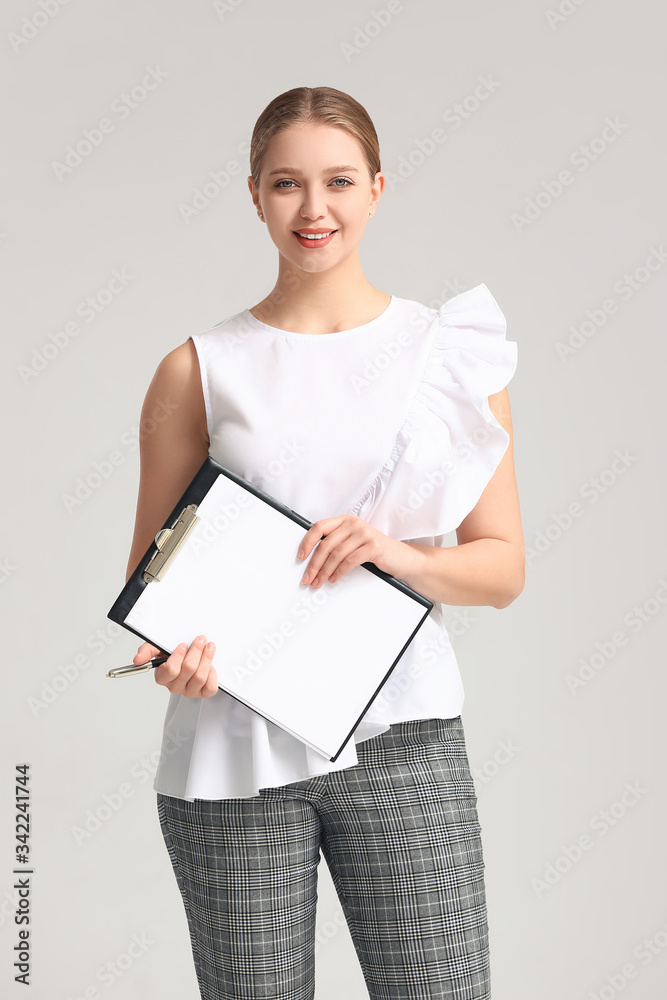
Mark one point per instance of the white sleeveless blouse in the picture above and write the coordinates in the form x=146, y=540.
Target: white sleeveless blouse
x=389, y=421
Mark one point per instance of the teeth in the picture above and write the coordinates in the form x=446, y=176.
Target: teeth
x=319, y=236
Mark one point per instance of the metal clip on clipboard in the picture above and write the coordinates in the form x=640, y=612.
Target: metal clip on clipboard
x=168, y=541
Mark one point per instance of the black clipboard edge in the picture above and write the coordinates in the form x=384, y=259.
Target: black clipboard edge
x=380, y=685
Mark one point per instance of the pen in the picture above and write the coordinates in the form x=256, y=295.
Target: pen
x=136, y=668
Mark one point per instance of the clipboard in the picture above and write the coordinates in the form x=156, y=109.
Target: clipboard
x=225, y=564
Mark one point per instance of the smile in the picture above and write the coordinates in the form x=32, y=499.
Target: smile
x=315, y=239
x=315, y=236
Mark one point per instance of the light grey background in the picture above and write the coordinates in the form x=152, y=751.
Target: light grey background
x=549, y=761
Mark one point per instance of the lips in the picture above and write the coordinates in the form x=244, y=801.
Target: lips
x=323, y=241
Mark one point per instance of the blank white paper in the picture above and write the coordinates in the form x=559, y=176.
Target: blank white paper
x=309, y=661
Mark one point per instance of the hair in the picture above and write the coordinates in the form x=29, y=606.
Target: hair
x=314, y=106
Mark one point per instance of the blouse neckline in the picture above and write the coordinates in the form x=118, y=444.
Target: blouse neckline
x=384, y=315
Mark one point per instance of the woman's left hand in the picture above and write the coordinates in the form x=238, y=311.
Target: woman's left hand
x=348, y=541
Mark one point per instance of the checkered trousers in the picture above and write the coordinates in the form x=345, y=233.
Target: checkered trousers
x=400, y=835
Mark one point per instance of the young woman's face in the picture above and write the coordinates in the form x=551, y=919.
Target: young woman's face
x=315, y=177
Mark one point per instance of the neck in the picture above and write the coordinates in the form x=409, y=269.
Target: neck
x=339, y=298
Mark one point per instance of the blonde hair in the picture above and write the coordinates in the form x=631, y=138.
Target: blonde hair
x=314, y=106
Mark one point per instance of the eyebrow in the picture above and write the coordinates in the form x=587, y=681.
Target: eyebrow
x=328, y=170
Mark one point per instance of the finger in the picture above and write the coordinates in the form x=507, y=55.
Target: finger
x=145, y=652
x=211, y=686
x=198, y=679
x=193, y=656
x=315, y=534
x=314, y=567
x=336, y=556
x=326, y=571
x=188, y=666
x=167, y=672
x=323, y=551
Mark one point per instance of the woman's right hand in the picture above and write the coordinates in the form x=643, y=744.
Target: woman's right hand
x=186, y=671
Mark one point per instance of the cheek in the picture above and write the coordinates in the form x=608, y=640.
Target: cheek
x=353, y=227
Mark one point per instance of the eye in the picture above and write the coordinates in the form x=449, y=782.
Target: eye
x=347, y=183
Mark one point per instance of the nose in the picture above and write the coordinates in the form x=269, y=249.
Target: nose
x=313, y=207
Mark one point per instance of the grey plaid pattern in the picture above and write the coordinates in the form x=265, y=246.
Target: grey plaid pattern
x=401, y=837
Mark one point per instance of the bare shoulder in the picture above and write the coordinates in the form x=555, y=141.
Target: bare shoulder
x=176, y=387
x=180, y=367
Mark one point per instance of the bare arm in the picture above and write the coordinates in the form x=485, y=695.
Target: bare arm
x=173, y=449
x=171, y=452
x=487, y=566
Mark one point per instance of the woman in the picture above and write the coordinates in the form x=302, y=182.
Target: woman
x=387, y=424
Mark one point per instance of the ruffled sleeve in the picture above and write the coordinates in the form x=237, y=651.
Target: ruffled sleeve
x=450, y=443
